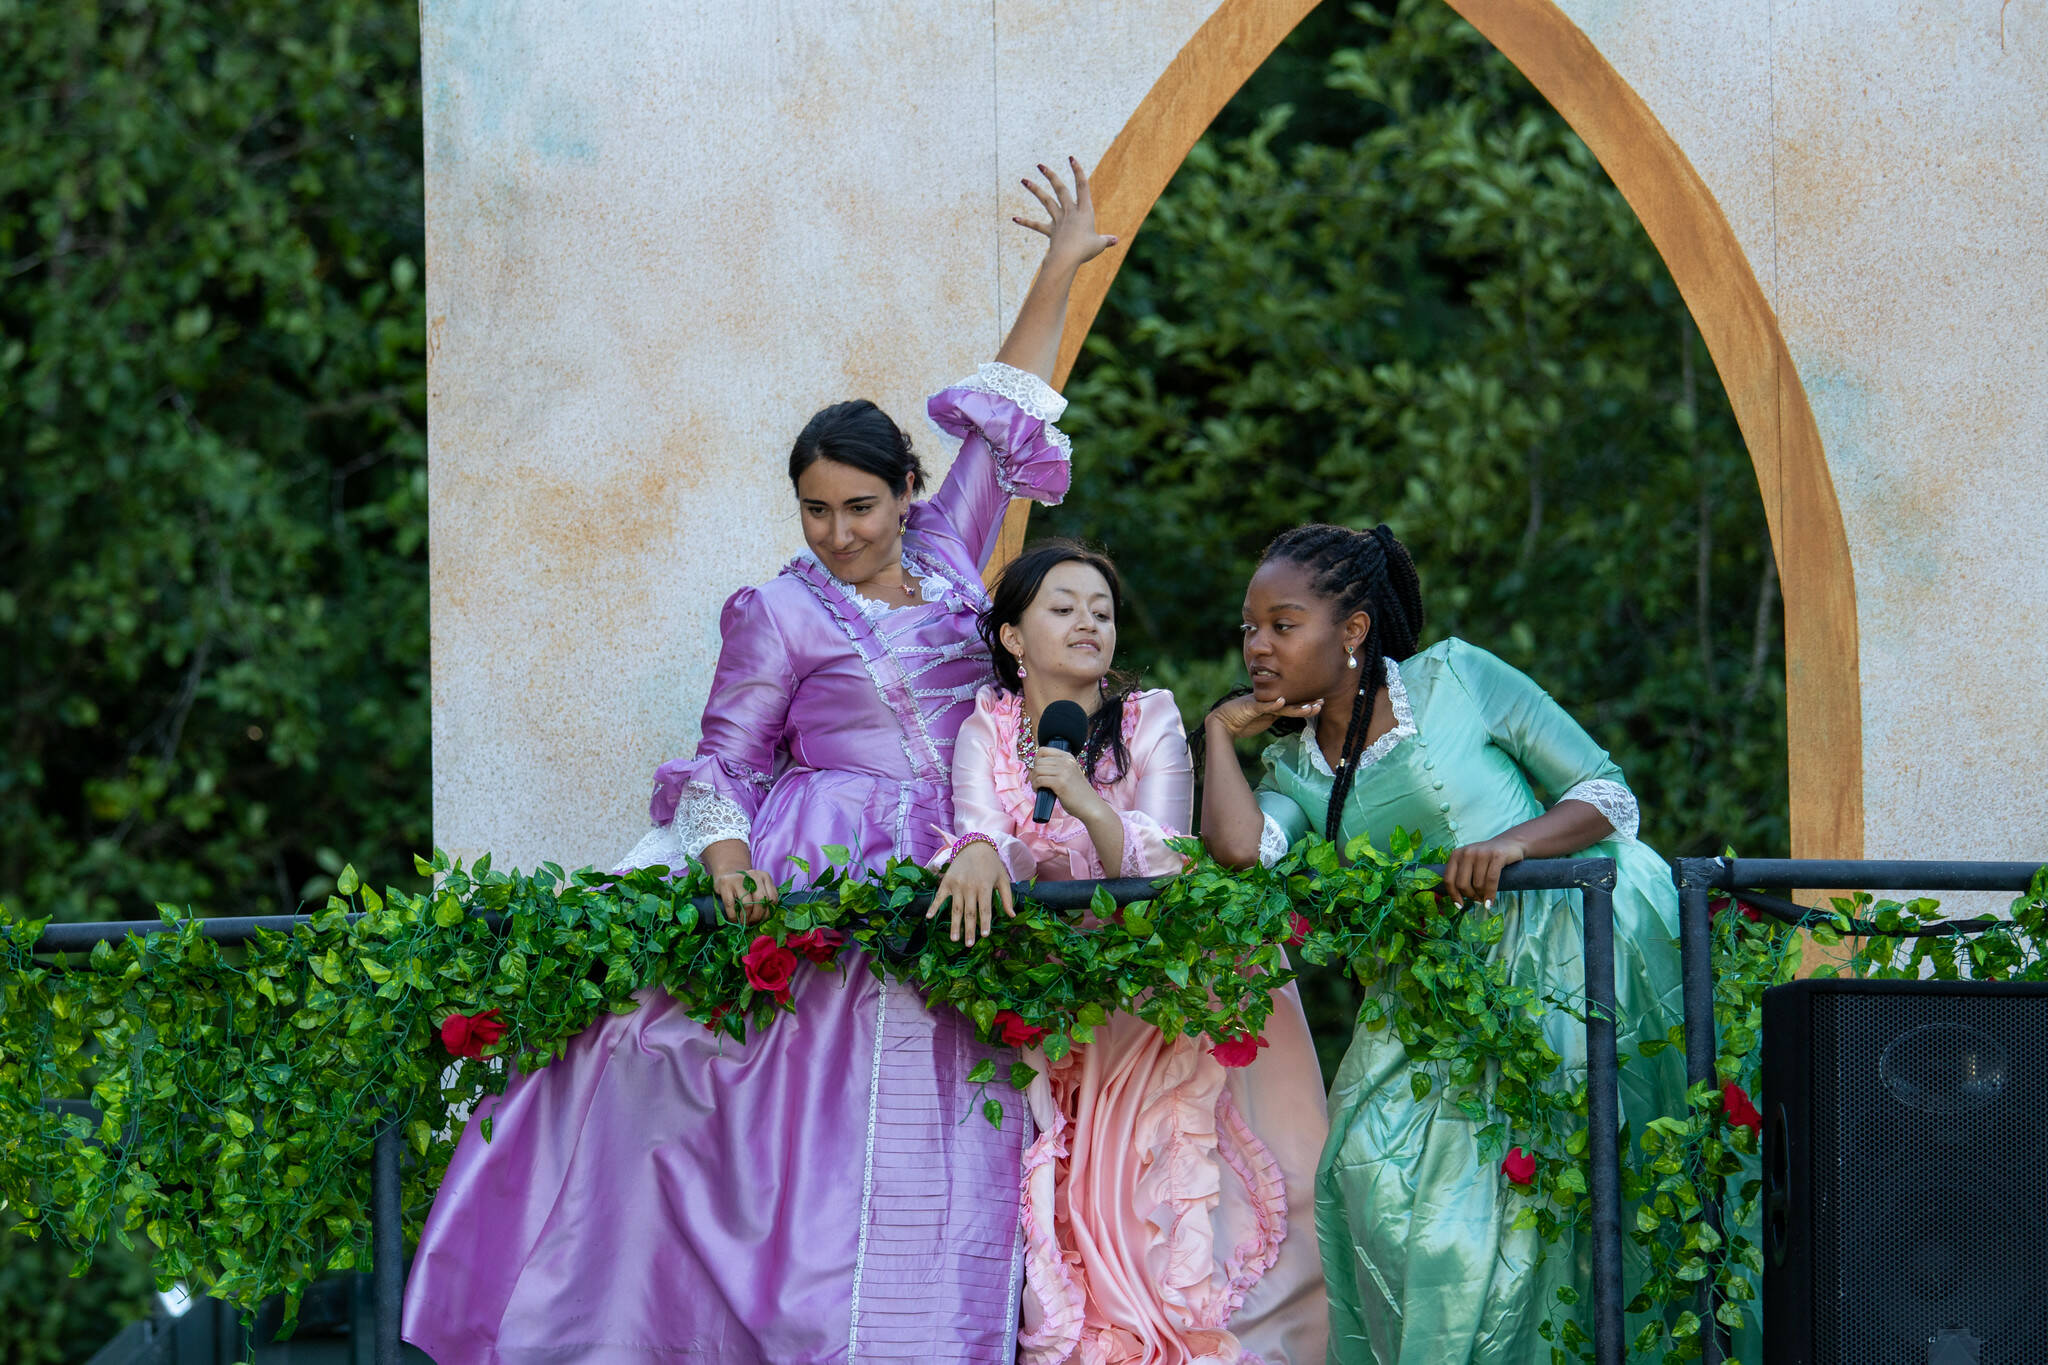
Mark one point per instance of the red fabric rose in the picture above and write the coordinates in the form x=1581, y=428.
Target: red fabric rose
x=1741, y=1113
x=1518, y=1166
x=467, y=1035
x=818, y=945
x=1241, y=1050
x=1716, y=904
x=1015, y=1032
x=769, y=966
x=1301, y=928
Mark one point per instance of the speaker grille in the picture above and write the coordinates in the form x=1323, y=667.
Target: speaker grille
x=1930, y=1177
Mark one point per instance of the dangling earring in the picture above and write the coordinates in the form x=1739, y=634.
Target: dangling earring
x=1021, y=674
x=1350, y=659
x=1103, y=683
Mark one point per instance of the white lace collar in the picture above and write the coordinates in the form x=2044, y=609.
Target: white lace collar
x=931, y=587
x=1404, y=726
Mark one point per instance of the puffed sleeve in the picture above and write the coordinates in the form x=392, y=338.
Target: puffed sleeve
x=1284, y=819
x=1162, y=794
x=1009, y=448
x=715, y=795
x=976, y=807
x=1537, y=733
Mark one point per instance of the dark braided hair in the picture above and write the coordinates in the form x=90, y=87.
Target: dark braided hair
x=1372, y=572
x=1014, y=592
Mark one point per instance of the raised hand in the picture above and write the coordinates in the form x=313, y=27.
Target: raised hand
x=1070, y=226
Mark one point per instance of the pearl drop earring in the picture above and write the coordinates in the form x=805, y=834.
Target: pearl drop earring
x=1021, y=674
x=1350, y=659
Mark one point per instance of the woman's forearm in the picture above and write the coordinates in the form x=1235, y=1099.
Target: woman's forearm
x=1106, y=831
x=1034, y=340
x=726, y=855
x=1231, y=819
x=1567, y=828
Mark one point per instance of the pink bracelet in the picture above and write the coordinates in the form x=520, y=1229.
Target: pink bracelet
x=953, y=849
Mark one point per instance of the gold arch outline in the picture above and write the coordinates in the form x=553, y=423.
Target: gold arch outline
x=1823, y=701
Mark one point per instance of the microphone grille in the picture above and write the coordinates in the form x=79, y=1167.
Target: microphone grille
x=1066, y=722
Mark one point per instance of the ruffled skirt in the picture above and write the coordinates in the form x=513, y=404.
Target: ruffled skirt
x=1157, y=1199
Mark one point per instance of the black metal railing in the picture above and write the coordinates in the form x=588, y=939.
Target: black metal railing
x=1699, y=878
x=1593, y=877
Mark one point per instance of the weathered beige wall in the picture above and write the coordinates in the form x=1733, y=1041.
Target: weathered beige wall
x=660, y=235
x=1884, y=164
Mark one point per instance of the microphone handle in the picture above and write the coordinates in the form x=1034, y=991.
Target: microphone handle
x=1042, y=810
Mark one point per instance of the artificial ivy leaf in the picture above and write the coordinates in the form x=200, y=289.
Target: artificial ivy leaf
x=1021, y=1075
x=992, y=1110
x=984, y=1072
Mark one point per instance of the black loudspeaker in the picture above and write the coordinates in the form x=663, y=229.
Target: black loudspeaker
x=1905, y=1200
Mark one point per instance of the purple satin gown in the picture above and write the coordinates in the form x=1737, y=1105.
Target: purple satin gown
x=811, y=1195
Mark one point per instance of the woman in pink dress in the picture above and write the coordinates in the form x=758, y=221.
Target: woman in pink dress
x=1166, y=1195
x=809, y=1196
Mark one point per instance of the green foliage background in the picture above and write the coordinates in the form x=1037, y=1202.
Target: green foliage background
x=1392, y=285
x=1389, y=285
x=213, y=620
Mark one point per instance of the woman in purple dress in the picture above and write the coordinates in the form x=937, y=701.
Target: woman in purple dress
x=811, y=1195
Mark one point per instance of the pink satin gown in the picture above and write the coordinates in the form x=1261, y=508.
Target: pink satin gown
x=1168, y=1200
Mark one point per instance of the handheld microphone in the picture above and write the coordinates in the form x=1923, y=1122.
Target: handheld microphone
x=1064, y=726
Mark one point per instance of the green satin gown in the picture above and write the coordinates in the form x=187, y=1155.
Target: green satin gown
x=1420, y=1260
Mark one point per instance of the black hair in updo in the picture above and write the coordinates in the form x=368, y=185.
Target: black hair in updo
x=1015, y=590
x=860, y=435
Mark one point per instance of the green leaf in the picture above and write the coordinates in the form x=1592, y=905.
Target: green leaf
x=984, y=1072
x=992, y=1110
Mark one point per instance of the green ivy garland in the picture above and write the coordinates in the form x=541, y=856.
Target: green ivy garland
x=238, y=1087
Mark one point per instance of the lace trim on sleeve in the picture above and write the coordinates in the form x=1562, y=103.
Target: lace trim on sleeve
x=658, y=847
x=703, y=817
x=1612, y=800
x=1034, y=398
x=1273, y=843
x=1030, y=393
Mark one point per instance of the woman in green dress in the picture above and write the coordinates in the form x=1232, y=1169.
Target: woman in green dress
x=1419, y=1252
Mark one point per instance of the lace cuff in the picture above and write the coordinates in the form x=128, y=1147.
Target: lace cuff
x=1273, y=842
x=1612, y=800
x=1034, y=398
x=1030, y=393
x=703, y=817
x=658, y=847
